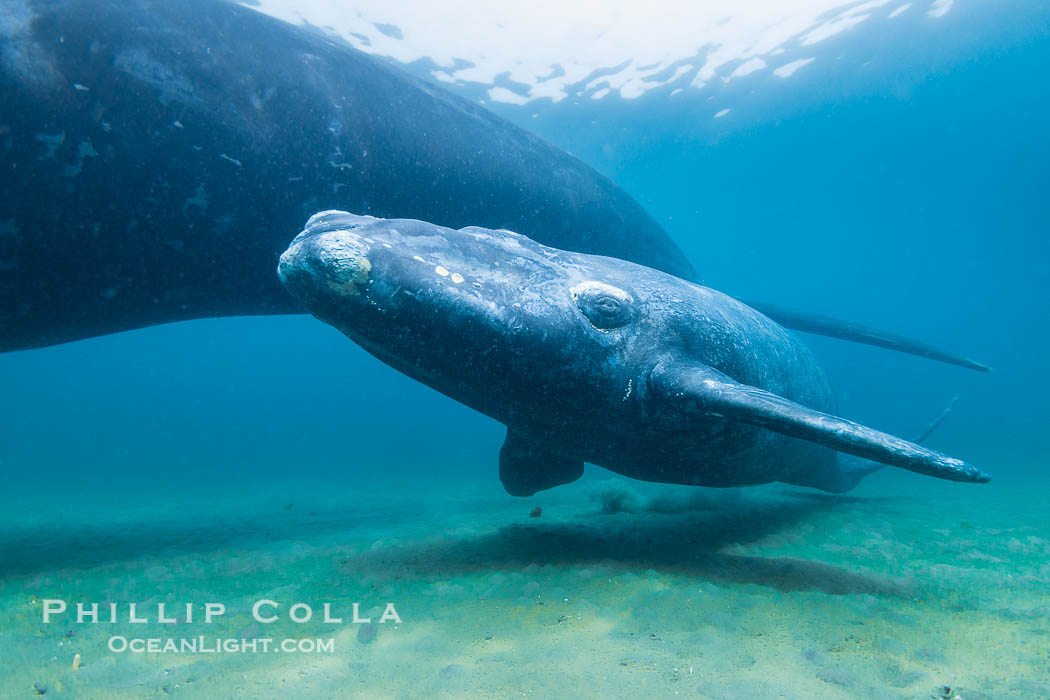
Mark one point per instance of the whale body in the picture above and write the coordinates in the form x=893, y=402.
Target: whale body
x=589, y=358
x=155, y=153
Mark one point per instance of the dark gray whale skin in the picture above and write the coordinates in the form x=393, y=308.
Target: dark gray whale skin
x=589, y=359
x=156, y=153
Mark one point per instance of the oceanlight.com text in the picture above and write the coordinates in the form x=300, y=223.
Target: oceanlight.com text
x=218, y=645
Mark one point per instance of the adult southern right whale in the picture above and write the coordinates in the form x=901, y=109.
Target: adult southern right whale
x=588, y=358
x=155, y=152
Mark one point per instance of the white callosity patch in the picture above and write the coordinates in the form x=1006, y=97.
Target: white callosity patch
x=550, y=49
x=341, y=260
x=344, y=258
x=444, y=272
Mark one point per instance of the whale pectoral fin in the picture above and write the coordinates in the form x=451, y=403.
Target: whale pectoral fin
x=700, y=390
x=525, y=467
x=855, y=332
x=847, y=471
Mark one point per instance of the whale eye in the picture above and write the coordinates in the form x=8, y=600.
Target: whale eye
x=604, y=305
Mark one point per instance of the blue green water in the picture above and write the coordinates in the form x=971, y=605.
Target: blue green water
x=899, y=181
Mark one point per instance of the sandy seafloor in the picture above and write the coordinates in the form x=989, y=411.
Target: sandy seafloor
x=618, y=589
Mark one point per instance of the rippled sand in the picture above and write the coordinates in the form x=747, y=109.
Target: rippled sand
x=617, y=589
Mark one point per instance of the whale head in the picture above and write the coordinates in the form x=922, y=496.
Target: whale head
x=474, y=312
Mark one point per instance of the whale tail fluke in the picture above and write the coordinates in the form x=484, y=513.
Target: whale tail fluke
x=935, y=423
x=857, y=333
x=701, y=390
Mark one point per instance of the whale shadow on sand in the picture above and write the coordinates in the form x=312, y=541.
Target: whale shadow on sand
x=692, y=535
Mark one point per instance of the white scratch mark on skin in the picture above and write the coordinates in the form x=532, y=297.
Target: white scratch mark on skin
x=232, y=160
x=81, y=88
x=416, y=257
x=457, y=278
x=441, y=271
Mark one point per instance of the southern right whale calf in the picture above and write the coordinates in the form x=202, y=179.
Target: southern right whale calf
x=588, y=358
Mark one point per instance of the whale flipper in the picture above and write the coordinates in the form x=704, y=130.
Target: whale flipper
x=857, y=333
x=698, y=389
x=525, y=467
x=848, y=471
